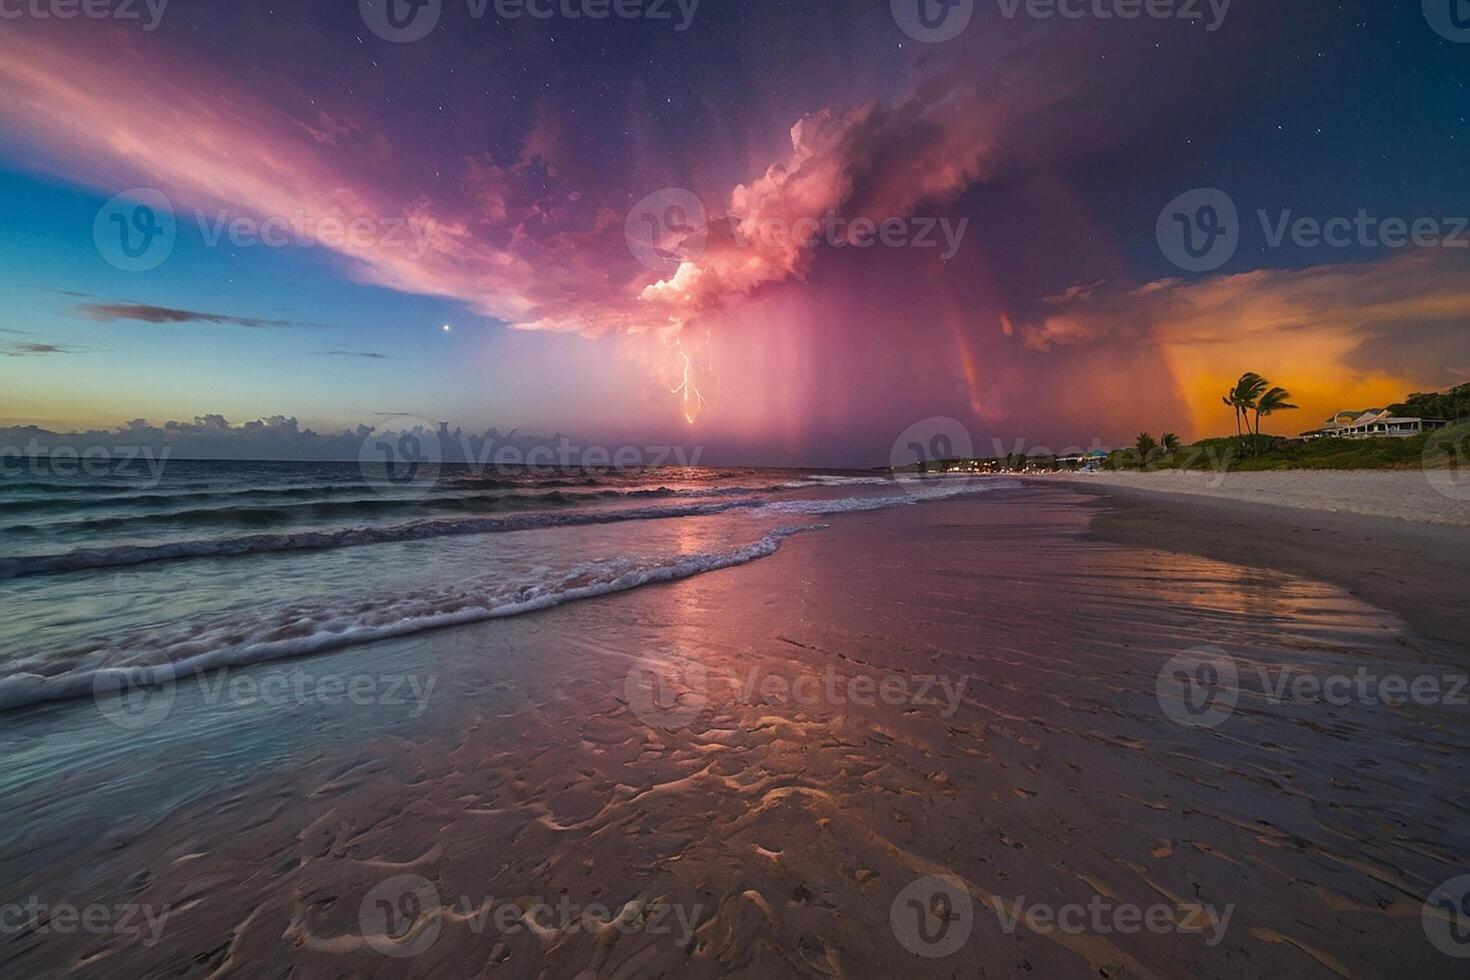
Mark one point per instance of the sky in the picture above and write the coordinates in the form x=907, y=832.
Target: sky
x=786, y=233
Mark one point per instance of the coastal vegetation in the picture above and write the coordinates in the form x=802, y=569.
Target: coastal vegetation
x=1253, y=398
x=1443, y=448
x=1451, y=405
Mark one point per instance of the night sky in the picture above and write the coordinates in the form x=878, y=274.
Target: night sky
x=520, y=146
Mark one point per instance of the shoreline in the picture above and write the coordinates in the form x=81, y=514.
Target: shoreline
x=1412, y=569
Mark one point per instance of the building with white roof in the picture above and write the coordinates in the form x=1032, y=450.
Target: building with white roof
x=1372, y=423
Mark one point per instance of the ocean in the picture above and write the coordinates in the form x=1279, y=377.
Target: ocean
x=133, y=575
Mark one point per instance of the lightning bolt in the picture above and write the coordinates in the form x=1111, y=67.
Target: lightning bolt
x=687, y=388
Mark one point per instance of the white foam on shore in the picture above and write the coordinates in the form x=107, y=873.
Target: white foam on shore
x=238, y=642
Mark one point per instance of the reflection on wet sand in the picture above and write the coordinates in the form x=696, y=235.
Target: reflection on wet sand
x=747, y=772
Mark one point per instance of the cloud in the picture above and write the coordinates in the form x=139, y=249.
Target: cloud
x=509, y=234
x=1347, y=334
x=1401, y=296
x=30, y=349
x=272, y=437
x=352, y=353
x=146, y=313
x=876, y=161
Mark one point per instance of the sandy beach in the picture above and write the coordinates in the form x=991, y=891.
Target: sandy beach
x=1420, y=496
x=926, y=740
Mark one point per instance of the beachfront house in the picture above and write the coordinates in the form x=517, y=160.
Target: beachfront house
x=1372, y=423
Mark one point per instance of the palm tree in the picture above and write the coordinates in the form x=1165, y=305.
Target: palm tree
x=1243, y=399
x=1272, y=401
x=1145, y=444
x=1170, y=442
x=1248, y=390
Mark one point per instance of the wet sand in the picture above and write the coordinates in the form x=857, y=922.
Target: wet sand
x=749, y=771
x=1418, y=571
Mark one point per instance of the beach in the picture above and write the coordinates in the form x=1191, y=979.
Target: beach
x=942, y=736
x=1420, y=496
